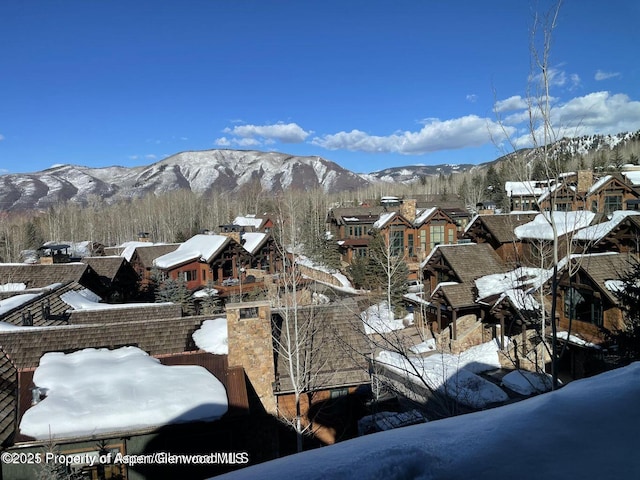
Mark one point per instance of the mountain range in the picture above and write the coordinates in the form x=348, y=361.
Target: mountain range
x=225, y=171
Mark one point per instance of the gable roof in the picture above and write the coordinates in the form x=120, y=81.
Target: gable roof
x=607, y=179
x=597, y=232
x=147, y=254
x=501, y=226
x=204, y=247
x=472, y=260
x=339, y=352
x=40, y=275
x=106, y=267
x=604, y=267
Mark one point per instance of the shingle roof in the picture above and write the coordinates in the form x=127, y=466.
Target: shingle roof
x=147, y=255
x=471, y=261
x=107, y=267
x=501, y=226
x=158, y=337
x=339, y=347
x=39, y=276
x=46, y=310
x=603, y=267
x=8, y=398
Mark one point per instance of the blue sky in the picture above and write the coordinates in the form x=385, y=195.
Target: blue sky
x=367, y=84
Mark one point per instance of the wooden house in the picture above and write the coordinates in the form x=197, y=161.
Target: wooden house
x=610, y=193
x=498, y=231
x=119, y=279
x=449, y=274
x=588, y=309
x=334, y=361
x=351, y=228
x=618, y=232
x=41, y=276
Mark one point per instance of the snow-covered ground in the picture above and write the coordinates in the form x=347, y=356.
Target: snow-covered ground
x=452, y=375
x=380, y=319
x=586, y=430
x=98, y=390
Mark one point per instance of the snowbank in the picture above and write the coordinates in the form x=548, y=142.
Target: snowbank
x=96, y=391
x=212, y=336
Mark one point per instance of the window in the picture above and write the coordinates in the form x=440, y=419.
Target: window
x=423, y=241
x=355, y=231
x=204, y=275
x=582, y=305
x=612, y=203
x=451, y=231
x=338, y=392
x=251, y=312
x=410, y=244
x=396, y=242
x=190, y=275
x=436, y=233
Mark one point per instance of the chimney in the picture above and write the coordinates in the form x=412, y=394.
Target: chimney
x=408, y=209
x=585, y=181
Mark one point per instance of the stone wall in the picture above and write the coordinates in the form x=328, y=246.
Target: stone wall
x=251, y=347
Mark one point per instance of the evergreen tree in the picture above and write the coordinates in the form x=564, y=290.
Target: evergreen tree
x=628, y=338
x=175, y=290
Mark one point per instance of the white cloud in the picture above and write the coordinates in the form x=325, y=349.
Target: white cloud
x=516, y=102
x=150, y=156
x=222, y=142
x=468, y=131
x=282, y=132
x=472, y=97
x=558, y=78
x=595, y=113
x=600, y=75
x=1, y=137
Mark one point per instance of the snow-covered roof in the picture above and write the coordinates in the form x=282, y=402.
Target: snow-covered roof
x=527, y=188
x=212, y=336
x=12, y=287
x=16, y=301
x=86, y=300
x=565, y=222
x=200, y=246
x=384, y=219
x=633, y=177
x=426, y=213
x=595, y=233
x=96, y=391
x=253, y=240
x=248, y=221
x=598, y=185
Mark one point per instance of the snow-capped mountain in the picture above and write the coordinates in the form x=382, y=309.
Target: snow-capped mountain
x=200, y=172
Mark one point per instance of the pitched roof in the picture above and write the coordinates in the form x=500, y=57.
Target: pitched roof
x=107, y=267
x=39, y=275
x=26, y=345
x=501, y=226
x=338, y=347
x=8, y=398
x=605, y=267
x=147, y=254
x=44, y=308
x=206, y=247
x=472, y=260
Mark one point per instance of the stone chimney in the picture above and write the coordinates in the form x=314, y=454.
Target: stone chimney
x=251, y=347
x=408, y=209
x=585, y=181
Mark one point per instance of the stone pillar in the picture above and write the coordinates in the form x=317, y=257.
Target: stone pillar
x=251, y=347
